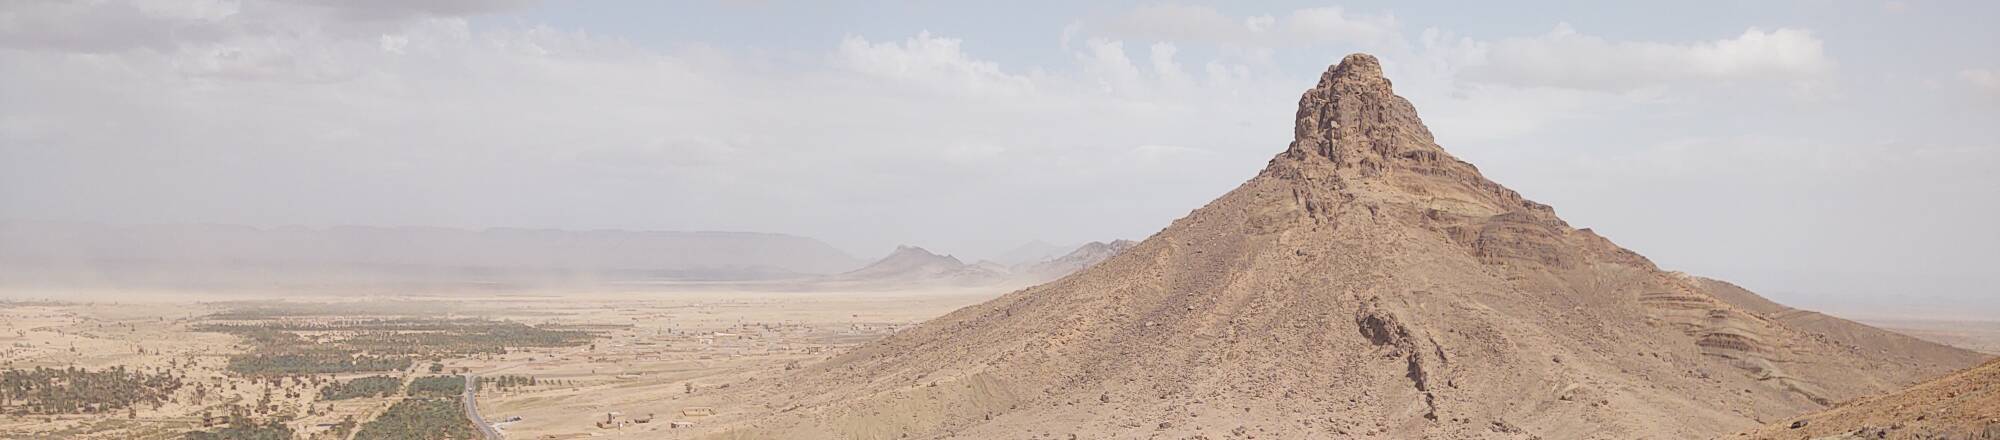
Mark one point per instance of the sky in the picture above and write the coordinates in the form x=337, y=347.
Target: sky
x=1831, y=154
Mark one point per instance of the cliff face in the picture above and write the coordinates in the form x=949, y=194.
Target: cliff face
x=1365, y=283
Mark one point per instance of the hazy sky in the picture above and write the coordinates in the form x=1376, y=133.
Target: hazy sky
x=1840, y=154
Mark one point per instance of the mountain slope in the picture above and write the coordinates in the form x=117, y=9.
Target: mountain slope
x=1964, y=405
x=1853, y=336
x=1365, y=283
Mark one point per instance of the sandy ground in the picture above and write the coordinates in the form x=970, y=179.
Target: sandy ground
x=102, y=335
x=658, y=342
x=669, y=345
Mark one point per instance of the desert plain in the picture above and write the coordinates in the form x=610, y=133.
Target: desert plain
x=656, y=352
x=664, y=353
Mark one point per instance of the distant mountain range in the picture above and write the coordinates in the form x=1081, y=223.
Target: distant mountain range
x=69, y=253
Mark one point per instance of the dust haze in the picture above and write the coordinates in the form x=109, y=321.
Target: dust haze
x=446, y=219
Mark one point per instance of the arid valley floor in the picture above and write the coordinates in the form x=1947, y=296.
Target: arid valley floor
x=652, y=354
x=661, y=354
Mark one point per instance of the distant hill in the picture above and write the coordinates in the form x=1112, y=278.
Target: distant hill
x=911, y=265
x=1031, y=252
x=66, y=253
x=1084, y=256
x=915, y=266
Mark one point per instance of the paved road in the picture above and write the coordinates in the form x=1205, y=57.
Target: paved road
x=473, y=409
x=486, y=431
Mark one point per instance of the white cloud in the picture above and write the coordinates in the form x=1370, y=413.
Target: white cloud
x=406, y=9
x=1105, y=60
x=165, y=25
x=1303, y=27
x=1168, y=70
x=1752, y=206
x=1069, y=32
x=1177, y=22
x=1569, y=59
x=1984, y=80
x=102, y=26
x=282, y=116
x=1334, y=25
x=932, y=61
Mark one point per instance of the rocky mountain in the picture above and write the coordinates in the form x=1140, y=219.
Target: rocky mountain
x=63, y=253
x=1964, y=405
x=1078, y=259
x=911, y=265
x=1365, y=284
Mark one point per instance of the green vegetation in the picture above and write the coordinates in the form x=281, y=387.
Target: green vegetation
x=437, y=386
x=346, y=425
x=313, y=363
x=420, y=418
x=277, y=352
x=243, y=428
x=505, y=382
x=360, y=345
x=79, y=391
x=261, y=310
x=372, y=386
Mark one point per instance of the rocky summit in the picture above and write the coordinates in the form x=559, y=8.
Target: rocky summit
x=1365, y=284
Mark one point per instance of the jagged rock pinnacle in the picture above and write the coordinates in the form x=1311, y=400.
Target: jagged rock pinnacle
x=1357, y=66
x=1354, y=119
x=1351, y=125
